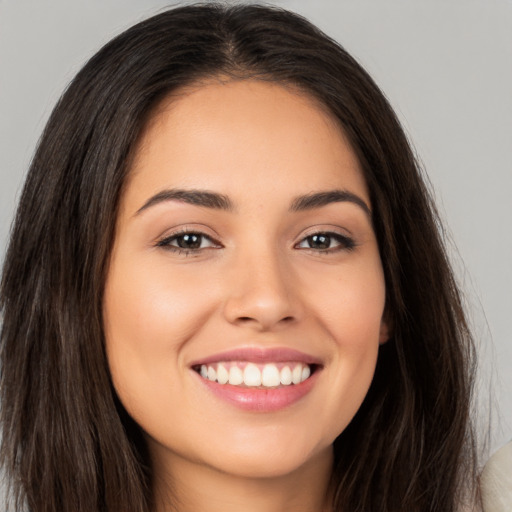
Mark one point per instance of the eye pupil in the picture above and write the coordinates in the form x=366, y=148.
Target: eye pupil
x=189, y=241
x=319, y=241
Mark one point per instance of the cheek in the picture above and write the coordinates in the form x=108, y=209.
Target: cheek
x=350, y=304
x=148, y=315
x=150, y=309
x=347, y=304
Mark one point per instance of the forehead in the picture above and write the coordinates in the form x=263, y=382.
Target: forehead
x=249, y=133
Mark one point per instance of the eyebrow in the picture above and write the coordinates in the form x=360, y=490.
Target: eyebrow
x=216, y=201
x=196, y=197
x=319, y=199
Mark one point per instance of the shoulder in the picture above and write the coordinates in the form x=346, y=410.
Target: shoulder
x=497, y=481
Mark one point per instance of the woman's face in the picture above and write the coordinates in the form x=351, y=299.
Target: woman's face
x=244, y=261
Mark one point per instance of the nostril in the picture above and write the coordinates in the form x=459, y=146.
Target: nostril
x=246, y=319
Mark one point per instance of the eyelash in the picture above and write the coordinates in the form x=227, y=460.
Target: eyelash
x=165, y=243
x=345, y=243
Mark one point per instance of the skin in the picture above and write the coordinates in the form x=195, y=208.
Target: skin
x=255, y=281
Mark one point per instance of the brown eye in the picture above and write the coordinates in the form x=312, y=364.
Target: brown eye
x=187, y=242
x=320, y=241
x=326, y=242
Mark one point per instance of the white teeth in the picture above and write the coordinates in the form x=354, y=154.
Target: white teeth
x=222, y=374
x=236, y=376
x=252, y=375
x=212, y=374
x=270, y=376
x=286, y=376
x=297, y=374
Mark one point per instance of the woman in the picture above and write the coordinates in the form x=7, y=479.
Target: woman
x=226, y=288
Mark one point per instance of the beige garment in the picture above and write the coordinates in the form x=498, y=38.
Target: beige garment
x=497, y=481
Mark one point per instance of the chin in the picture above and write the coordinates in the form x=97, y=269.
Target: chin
x=271, y=454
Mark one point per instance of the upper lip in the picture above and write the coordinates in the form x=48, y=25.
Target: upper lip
x=259, y=355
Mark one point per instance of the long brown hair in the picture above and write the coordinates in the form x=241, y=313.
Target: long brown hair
x=67, y=442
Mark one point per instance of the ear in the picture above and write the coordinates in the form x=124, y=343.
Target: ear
x=385, y=329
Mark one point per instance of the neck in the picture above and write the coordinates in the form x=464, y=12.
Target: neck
x=196, y=487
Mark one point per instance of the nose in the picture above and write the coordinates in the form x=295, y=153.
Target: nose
x=262, y=293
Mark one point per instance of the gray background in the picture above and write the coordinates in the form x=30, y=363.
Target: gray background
x=446, y=66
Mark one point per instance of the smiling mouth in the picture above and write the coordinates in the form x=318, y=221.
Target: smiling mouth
x=252, y=375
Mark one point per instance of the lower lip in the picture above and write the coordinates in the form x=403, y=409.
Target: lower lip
x=259, y=399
